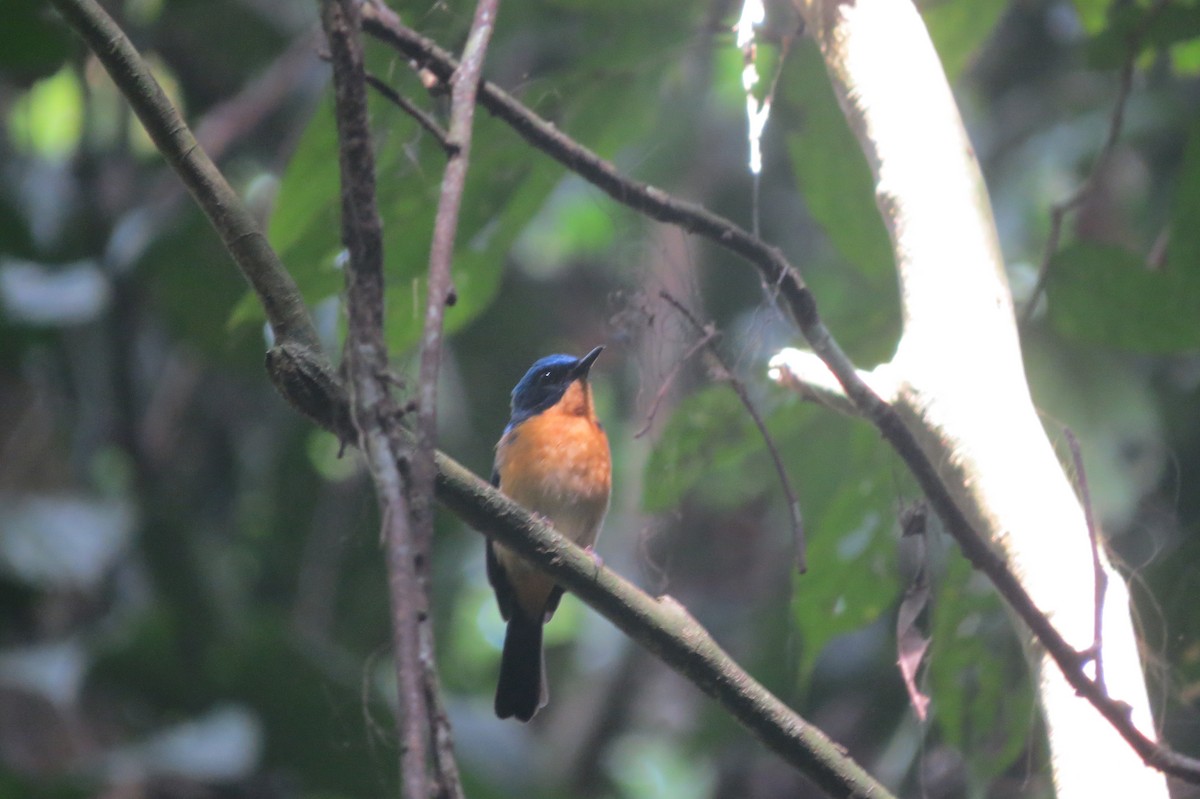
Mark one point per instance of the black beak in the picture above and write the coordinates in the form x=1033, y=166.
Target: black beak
x=585, y=363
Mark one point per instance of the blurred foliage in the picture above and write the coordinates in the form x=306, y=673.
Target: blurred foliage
x=32, y=46
x=193, y=602
x=1106, y=295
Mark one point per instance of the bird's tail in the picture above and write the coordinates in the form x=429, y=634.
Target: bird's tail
x=521, y=689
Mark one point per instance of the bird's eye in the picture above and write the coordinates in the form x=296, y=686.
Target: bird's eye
x=546, y=377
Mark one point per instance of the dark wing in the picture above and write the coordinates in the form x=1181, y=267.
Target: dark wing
x=495, y=572
x=505, y=597
x=552, y=601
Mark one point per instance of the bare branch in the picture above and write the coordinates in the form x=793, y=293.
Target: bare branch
x=661, y=394
x=440, y=293
x=807, y=375
x=425, y=120
x=661, y=625
x=372, y=409
x=1096, y=650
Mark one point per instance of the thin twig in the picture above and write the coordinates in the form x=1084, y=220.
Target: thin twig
x=777, y=271
x=422, y=118
x=1059, y=211
x=1096, y=650
x=661, y=394
x=708, y=335
x=440, y=293
x=373, y=411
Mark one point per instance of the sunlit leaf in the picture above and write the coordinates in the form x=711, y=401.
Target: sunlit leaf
x=48, y=120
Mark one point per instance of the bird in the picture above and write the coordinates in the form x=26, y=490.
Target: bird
x=553, y=459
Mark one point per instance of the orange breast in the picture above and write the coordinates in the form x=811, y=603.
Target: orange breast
x=556, y=464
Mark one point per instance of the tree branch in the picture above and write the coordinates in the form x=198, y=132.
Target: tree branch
x=661, y=625
x=439, y=294
x=807, y=375
x=372, y=410
x=425, y=120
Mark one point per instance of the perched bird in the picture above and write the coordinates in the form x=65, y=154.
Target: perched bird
x=553, y=458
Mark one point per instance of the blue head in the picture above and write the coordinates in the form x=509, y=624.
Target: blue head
x=546, y=382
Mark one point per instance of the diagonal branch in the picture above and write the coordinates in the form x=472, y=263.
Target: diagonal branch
x=661, y=625
x=423, y=118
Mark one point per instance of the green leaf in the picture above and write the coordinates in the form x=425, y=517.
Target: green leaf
x=1093, y=14
x=830, y=168
x=708, y=438
x=505, y=187
x=1108, y=296
x=851, y=530
x=959, y=28
x=48, y=119
x=978, y=678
